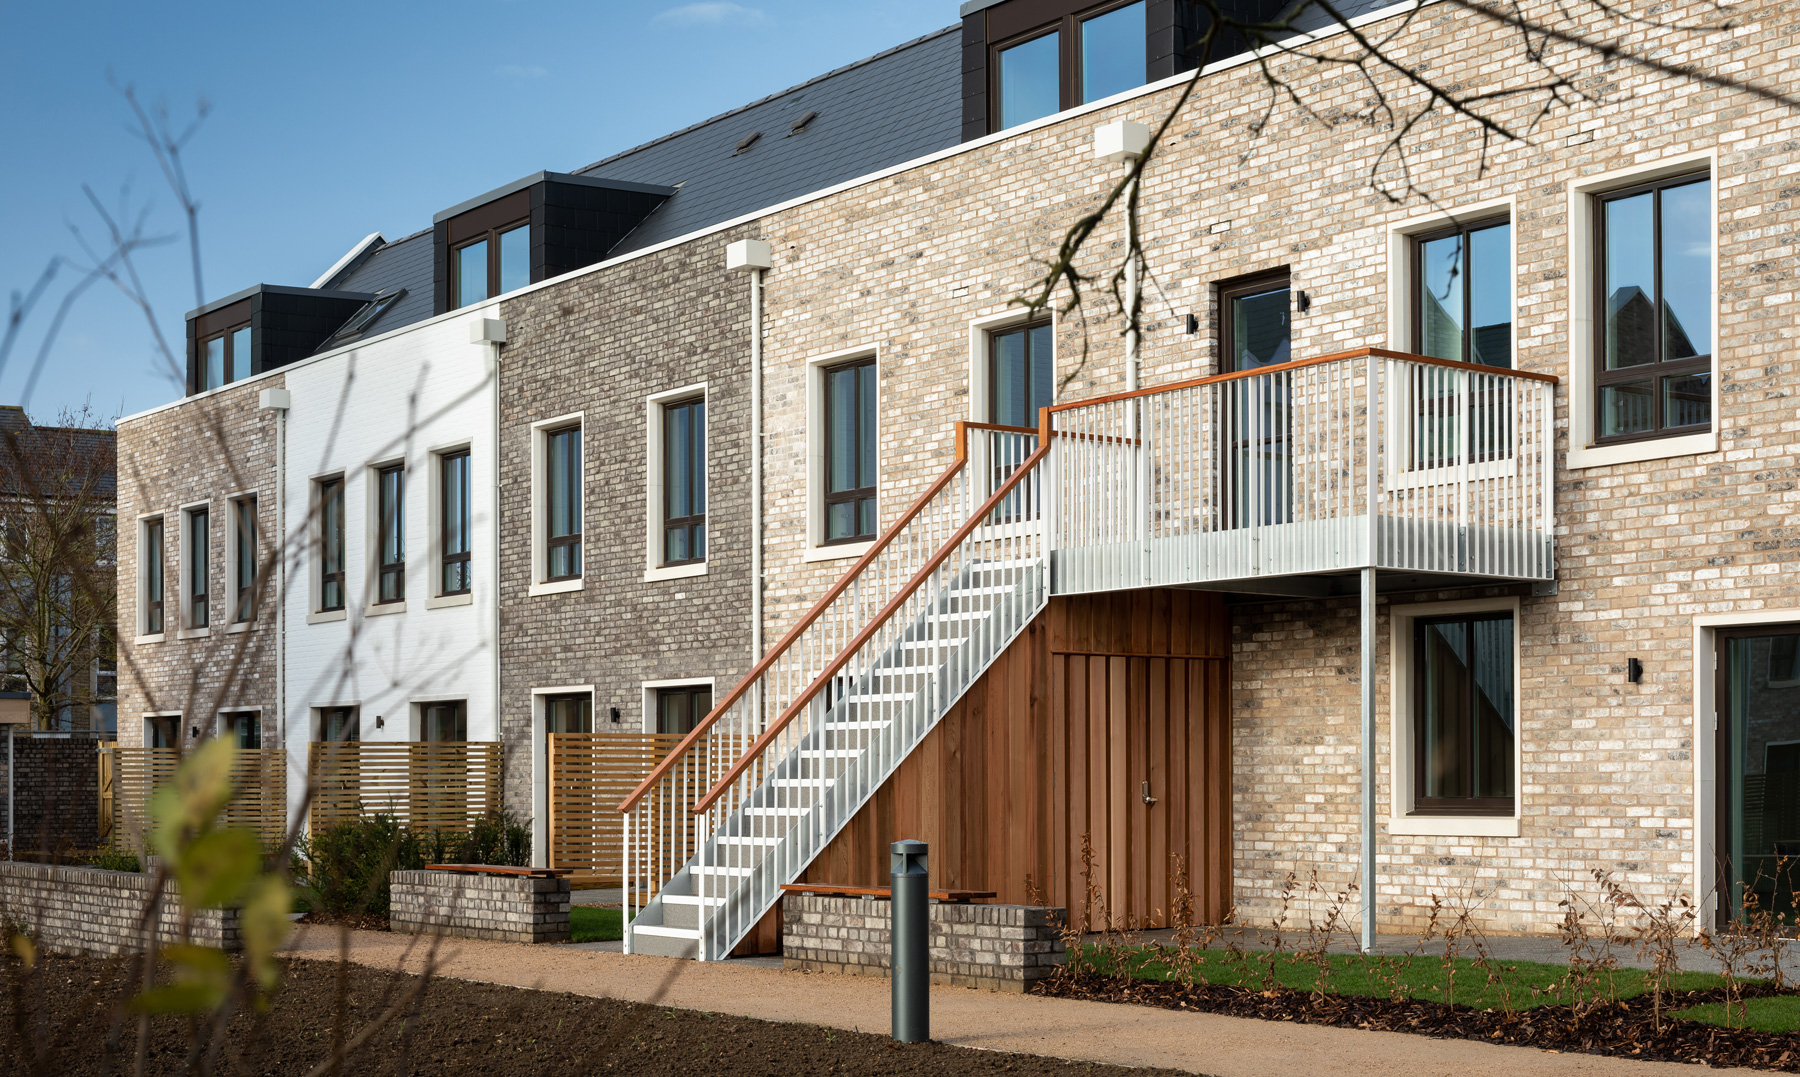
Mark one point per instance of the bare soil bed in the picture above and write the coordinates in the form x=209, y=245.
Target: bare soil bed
x=1628, y=1027
x=65, y=1019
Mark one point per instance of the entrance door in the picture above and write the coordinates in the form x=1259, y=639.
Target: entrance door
x=1256, y=421
x=1759, y=763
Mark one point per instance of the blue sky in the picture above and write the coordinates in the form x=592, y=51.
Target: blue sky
x=329, y=121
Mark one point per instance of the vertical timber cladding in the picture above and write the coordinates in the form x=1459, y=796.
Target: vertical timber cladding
x=1099, y=695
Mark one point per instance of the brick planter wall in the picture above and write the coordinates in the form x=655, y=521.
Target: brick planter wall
x=510, y=908
x=90, y=911
x=993, y=947
x=56, y=790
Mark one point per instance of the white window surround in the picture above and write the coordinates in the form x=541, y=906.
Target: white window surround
x=980, y=329
x=540, y=768
x=434, y=525
x=232, y=624
x=1583, y=453
x=143, y=584
x=539, y=429
x=650, y=688
x=144, y=725
x=1400, y=730
x=372, y=537
x=1705, y=740
x=813, y=549
x=653, y=481
x=185, y=573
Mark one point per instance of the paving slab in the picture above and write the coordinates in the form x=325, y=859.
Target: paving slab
x=1123, y=1035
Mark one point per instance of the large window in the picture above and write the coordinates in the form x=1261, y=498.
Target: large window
x=243, y=558
x=454, y=536
x=225, y=358
x=243, y=727
x=150, y=563
x=1462, y=307
x=678, y=710
x=390, y=535
x=1654, y=310
x=197, y=545
x=339, y=724
x=572, y=713
x=1463, y=715
x=448, y=721
x=562, y=503
x=331, y=544
x=684, y=482
x=1021, y=375
x=1254, y=334
x=496, y=263
x=850, y=514
x=1079, y=58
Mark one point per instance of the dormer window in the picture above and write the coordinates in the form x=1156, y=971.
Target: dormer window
x=1082, y=56
x=497, y=263
x=225, y=357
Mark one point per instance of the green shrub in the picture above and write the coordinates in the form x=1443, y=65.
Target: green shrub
x=344, y=868
x=113, y=858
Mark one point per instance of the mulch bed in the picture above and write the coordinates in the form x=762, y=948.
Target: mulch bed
x=1626, y=1028
x=355, y=921
x=71, y=1006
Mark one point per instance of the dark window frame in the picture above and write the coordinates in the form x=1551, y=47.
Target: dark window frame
x=232, y=371
x=1068, y=25
x=230, y=721
x=993, y=363
x=162, y=727
x=491, y=237
x=858, y=494
x=390, y=523
x=572, y=539
x=584, y=711
x=1485, y=807
x=155, y=569
x=1416, y=328
x=460, y=562
x=331, y=539
x=1256, y=283
x=692, y=692
x=1658, y=371
x=243, y=538
x=197, y=552
x=693, y=523
x=459, y=717
x=352, y=717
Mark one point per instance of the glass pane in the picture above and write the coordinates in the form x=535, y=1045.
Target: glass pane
x=1490, y=295
x=246, y=543
x=1259, y=329
x=677, y=467
x=1763, y=772
x=393, y=517
x=865, y=425
x=1441, y=272
x=456, y=504
x=1626, y=409
x=699, y=540
x=240, y=354
x=247, y=730
x=698, y=482
x=445, y=722
x=1043, y=373
x=1491, y=650
x=675, y=544
x=1444, y=712
x=1010, y=386
x=840, y=520
x=563, y=477
x=515, y=259
x=1028, y=80
x=214, y=360
x=1630, y=284
x=1113, y=53
x=866, y=516
x=674, y=712
x=1687, y=271
x=840, y=430
x=340, y=724
x=472, y=274
x=1687, y=401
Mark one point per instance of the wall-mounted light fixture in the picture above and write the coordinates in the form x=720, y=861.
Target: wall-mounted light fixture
x=615, y=713
x=379, y=724
x=194, y=732
x=1304, y=302
x=1193, y=324
x=1634, y=670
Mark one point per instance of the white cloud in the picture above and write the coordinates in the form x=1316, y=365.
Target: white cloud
x=711, y=13
x=521, y=71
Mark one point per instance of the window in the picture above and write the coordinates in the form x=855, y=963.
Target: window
x=1463, y=731
x=562, y=504
x=198, y=547
x=339, y=725
x=151, y=566
x=1463, y=300
x=1254, y=323
x=572, y=713
x=225, y=358
x=162, y=731
x=850, y=514
x=244, y=728
x=1079, y=58
x=1784, y=662
x=1653, y=323
x=1021, y=376
x=684, y=482
x=331, y=544
x=243, y=557
x=390, y=537
x=497, y=263
x=454, y=537
x=441, y=722
x=678, y=710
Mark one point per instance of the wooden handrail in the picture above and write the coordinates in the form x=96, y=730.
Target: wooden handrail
x=868, y=631
x=1335, y=357
x=818, y=610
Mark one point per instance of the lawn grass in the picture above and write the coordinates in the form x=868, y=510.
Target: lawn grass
x=1516, y=984
x=590, y=923
x=1779, y=1013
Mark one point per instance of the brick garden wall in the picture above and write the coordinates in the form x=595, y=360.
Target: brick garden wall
x=510, y=908
x=55, y=790
x=90, y=911
x=993, y=947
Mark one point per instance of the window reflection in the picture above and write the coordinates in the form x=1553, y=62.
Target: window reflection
x=1029, y=87
x=515, y=259
x=1113, y=48
x=471, y=273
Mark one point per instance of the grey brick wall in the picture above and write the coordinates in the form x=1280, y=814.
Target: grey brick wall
x=90, y=911
x=55, y=791
x=993, y=947
x=509, y=908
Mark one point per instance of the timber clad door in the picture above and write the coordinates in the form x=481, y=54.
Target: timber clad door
x=1103, y=701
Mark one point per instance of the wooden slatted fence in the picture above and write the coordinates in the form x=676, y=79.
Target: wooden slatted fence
x=435, y=786
x=590, y=773
x=258, y=802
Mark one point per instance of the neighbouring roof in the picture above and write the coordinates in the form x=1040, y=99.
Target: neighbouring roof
x=404, y=263
x=59, y=459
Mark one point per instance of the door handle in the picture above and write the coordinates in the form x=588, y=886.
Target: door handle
x=1144, y=789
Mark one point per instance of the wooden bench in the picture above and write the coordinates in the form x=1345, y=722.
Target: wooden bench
x=953, y=897
x=500, y=869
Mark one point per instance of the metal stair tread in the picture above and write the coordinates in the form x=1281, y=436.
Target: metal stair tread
x=667, y=932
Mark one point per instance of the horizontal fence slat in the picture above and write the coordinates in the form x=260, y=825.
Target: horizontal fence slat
x=431, y=786
x=258, y=801
x=590, y=773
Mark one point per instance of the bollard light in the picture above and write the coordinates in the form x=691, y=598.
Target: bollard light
x=909, y=936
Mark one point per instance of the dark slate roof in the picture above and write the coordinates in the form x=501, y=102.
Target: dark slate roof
x=404, y=263
x=47, y=460
x=890, y=108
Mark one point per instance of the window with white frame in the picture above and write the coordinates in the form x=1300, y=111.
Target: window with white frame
x=242, y=554
x=390, y=534
x=196, y=566
x=328, y=498
x=162, y=731
x=849, y=454
x=151, y=568
x=560, y=509
x=455, y=533
x=675, y=488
